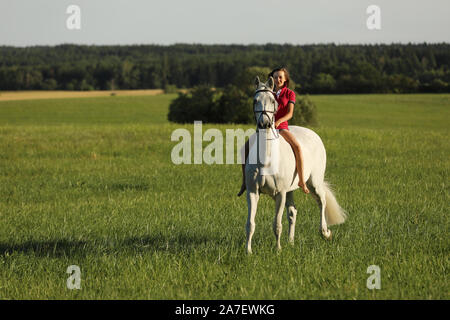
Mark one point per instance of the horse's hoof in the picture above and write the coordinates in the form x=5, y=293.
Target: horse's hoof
x=327, y=234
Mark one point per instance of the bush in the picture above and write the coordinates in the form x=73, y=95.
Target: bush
x=229, y=105
x=324, y=83
x=235, y=106
x=399, y=83
x=170, y=88
x=437, y=85
x=49, y=84
x=199, y=104
x=85, y=86
x=305, y=112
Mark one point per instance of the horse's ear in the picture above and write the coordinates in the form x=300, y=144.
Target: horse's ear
x=270, y=83
x=257, y=81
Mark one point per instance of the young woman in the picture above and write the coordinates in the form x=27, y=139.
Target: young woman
x=286, y=100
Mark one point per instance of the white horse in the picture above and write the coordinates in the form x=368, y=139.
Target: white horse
x=280, y=181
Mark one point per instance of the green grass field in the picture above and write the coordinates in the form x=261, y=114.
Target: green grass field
x=90, y=182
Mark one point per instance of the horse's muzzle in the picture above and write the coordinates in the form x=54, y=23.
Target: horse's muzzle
x=263, y=125
x=264, y=122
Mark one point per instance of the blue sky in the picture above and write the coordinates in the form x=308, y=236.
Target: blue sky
x=43, y=22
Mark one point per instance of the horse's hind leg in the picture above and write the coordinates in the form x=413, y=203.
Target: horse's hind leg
x=318, y=193
x=252, y=203
x=291, y=213
x=280, y=200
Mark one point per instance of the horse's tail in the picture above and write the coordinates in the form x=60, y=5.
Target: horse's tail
x=334, y=214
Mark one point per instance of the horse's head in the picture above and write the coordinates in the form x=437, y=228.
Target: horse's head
x=264, y=104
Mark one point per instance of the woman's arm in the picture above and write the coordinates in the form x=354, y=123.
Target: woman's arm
x=288, y=115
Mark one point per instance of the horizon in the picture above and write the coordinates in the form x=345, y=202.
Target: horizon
x=226, y=44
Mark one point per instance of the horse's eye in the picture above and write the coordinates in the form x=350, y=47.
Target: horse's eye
x=254, y=101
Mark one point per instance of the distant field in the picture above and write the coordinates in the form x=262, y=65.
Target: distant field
x=58, y=94
x=89, y=182
x=113, y=110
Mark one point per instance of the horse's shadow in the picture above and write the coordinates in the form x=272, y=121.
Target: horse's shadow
x=44, y=248
x=180, y=242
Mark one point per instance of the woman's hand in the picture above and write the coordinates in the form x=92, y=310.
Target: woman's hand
x=277, y=123
x=287, y=117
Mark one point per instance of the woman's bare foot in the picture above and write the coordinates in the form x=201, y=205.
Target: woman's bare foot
x=304, y=187
x=243, y=187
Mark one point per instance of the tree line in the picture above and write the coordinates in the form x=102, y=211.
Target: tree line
x=324, y=68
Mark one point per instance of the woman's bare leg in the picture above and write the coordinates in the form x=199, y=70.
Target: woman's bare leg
x=290, y=138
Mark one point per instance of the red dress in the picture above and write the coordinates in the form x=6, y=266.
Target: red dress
x=283, y=97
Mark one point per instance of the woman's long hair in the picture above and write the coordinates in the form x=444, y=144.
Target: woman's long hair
x=286, y=75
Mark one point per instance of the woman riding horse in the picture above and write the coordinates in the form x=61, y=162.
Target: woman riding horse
x=286, y=100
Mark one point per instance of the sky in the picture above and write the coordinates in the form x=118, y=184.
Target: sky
x=165, y=22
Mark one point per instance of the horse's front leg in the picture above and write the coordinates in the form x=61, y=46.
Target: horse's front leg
x=280, y=200
x=252, y=203
x=291, y=213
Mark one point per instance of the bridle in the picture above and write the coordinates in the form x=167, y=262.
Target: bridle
x=266, y=112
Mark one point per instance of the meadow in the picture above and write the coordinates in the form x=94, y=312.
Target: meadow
x=90, y=182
